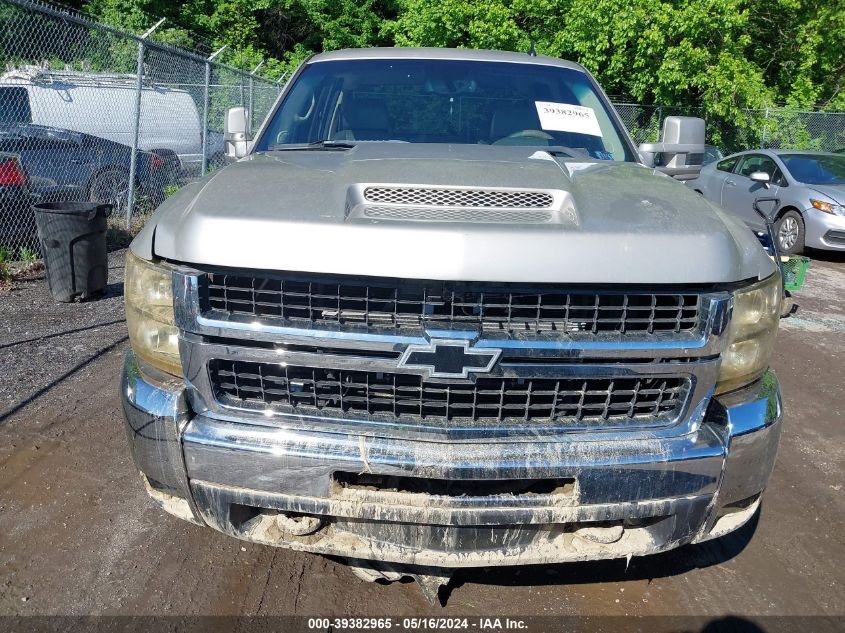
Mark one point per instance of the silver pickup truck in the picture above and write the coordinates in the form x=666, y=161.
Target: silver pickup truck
x=442, y=313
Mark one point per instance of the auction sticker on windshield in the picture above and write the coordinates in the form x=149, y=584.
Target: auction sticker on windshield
x=565, y=117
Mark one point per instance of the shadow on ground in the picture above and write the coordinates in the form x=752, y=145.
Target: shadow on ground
x=834, y=257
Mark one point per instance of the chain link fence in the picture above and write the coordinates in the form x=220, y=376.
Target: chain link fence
x=773, y=128
x=89, y=113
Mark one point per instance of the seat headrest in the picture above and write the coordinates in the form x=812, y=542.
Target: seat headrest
x=513, y=117
x=366, y=117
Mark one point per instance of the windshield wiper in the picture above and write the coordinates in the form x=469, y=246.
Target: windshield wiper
x=325, y=144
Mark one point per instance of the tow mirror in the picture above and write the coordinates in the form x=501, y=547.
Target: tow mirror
x=762, y=177
x=236, y=132
x=681, y=147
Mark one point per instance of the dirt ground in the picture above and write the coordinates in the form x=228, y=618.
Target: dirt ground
x=79, y=537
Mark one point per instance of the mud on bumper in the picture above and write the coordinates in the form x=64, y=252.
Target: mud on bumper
x=457, y=504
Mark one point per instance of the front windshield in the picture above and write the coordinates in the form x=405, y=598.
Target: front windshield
x=446, y=101
x=816, y=169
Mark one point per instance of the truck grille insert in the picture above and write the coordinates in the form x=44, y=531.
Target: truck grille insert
x=333, y=301
x=433, y=214
x=482, y=198
x=565, y=402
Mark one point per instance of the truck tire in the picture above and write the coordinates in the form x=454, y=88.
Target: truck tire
x=789, y=232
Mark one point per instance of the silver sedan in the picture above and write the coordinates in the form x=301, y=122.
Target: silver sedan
x=810, y=187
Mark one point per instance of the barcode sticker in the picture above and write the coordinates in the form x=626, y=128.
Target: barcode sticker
x=565, y=117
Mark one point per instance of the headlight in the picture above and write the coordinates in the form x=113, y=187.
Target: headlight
x=153, y=334
x=828, y=207
x=751, y=334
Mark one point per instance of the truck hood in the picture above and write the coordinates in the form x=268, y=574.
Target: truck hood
x=616, y=222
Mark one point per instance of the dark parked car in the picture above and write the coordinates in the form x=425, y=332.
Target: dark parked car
x=67, y=165
x=16, y=229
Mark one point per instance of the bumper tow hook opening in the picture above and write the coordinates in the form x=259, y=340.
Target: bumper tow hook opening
x=298, y=524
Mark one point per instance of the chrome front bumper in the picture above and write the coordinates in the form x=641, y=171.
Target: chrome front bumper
x=276, y=485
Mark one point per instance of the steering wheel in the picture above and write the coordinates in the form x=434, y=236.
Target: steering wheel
x=538, y=134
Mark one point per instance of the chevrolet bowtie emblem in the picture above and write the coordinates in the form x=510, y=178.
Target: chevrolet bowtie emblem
x=449, y=359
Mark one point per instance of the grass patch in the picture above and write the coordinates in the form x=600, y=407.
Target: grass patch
x=21, y=265
x=5, y=267
x=118, y=236
x=28, y=255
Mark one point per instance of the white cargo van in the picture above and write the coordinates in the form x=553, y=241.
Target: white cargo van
x=104, y=105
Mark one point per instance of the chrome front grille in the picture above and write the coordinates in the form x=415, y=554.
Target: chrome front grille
x=495, y=309
x=329, y=352
x=445, y=197
x=487, y=402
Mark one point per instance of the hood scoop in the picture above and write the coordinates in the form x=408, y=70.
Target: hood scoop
x=425, y=203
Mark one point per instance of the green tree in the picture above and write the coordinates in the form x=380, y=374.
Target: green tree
x=727, y=55
x=281, y=32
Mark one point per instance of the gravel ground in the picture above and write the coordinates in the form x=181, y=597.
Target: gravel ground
x=79, y=537
x=43, y=343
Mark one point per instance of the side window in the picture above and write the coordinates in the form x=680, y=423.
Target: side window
x=757, y=162
x=727, y=164
x=752, y=163
x=14, y=105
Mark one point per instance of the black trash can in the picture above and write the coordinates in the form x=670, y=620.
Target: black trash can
x=73, y=241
